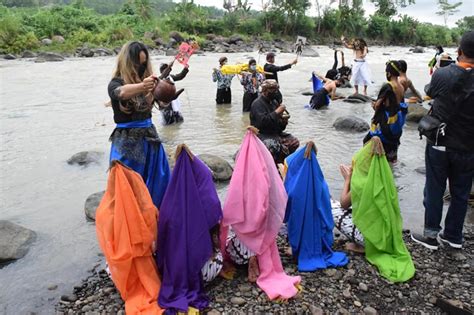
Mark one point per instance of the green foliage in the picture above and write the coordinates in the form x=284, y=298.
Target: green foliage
x=80, y=22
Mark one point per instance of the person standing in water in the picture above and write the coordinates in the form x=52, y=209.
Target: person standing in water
x=390, y=112
x=251, y=81
x=406, y=82
x=224, y=81
x=360, y=67
x=135, y=141
x=271, y=70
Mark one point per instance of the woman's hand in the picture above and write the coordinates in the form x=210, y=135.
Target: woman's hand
x=149, y=84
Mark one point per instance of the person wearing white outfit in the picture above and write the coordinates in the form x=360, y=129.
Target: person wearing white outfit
x=360, y=67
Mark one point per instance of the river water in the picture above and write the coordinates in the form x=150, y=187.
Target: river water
x=49, y=111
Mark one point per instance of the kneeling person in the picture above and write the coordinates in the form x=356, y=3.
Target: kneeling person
x=271, y=118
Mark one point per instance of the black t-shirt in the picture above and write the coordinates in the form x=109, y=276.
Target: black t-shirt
x=120, y=116
x=268, y=67
x=452, y=89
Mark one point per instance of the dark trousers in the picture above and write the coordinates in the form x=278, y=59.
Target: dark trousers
x=458, y=169
x=224, y=96
x=248, y=100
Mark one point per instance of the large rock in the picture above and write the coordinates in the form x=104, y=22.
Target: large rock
x=46, y=41
x=48, y=56
x=309, y=52
x=86, y=52
x=221, y=169
x=351, y=123
x=177, y=37
x=58, y=39
x=85, y=158
x=28, y=54
x=103, y=52
x=9, y=57
x=416, y=112
x=234, y=39
x=417, y=50
x=91, y=204
x=14, y=240
x=363, y=98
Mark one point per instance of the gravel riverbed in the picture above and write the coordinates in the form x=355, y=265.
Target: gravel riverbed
x=445, y=274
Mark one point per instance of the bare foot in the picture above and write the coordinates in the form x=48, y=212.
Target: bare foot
x=346, y=171
x=355, y=248
x=253, y=269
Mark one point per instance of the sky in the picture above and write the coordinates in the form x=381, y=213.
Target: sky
x=422, y=10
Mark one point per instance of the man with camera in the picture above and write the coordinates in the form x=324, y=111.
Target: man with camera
x=449, y=154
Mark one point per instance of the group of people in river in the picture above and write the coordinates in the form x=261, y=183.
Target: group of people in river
x=164, y=233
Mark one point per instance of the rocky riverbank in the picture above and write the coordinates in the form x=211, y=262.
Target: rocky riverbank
x=443, y=275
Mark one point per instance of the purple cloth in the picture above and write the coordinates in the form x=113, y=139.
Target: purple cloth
x=190, y=208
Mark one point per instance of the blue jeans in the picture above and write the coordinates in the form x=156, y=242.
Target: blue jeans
x=458, y=168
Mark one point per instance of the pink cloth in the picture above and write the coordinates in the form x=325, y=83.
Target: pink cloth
x=255, y=208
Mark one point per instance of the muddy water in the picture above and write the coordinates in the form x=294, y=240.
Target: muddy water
x=49, y=111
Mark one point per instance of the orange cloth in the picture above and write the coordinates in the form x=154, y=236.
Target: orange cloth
x=126, y=225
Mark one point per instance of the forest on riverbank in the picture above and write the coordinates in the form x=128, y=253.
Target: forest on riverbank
x=24, y=24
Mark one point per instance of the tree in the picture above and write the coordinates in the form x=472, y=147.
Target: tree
x=466, y=24
x=388, y=8
x=446, y=9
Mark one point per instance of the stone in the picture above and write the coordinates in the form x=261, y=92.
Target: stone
x=357, y=303
x=363, y=287
x=309, y=52
x=346, y=293
x=237, y=301
x=421, y=170
x=52, y=287
x=58, y=39
x=69, y=298
x=49, y=57
x=221, y=169
x=416, y=112
x=245, y=288
x=91, y=204
x=417, y=50
x=28, y=54
x=171, y=52
x=46, y=41
x=361, y=97
x=177, y=36
x=351, y=123
x=9, y=57
x=234, y=39
x=330, y=272
x=85, y=158
x=15, y=240
x=213, y=312
x=315, y=310
x=86, y=52
x=368, y=310
x=103, y=52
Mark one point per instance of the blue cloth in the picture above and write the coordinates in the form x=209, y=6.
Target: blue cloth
x=318, y=85
x=395, y=125
x=308, y=214
x=155, y=170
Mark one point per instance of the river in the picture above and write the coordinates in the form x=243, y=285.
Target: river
x=49, y=111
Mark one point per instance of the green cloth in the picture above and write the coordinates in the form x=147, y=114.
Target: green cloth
x=376, y=214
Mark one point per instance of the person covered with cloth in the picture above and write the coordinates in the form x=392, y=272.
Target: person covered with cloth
x=324, y=90
x=224, y=81
x=255, y=214
x=360, y=67
x=251, y=82
x=308, y=212
x=449, y=154
x=170, y=111
x=390, y=112
x=271, y=118
x=135, y=141
x=370, y=188
x=188, y=252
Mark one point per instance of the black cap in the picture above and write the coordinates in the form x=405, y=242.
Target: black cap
x=467, y=44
